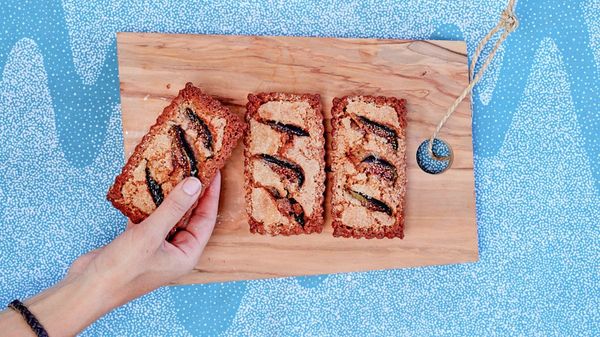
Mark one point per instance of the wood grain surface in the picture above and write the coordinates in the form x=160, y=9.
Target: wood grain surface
x=440, y=214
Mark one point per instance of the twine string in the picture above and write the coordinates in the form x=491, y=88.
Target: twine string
x=509, y=23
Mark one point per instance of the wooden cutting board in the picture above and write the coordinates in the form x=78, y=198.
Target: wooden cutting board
x=440, y=213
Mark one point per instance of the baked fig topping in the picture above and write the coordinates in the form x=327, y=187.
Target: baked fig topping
x=381, y=130
x=287, y=128
x=380, y=167
x=154, y=188
x=288, y=170
x=274, y=192
x=290, y=208
x=202, y=128
x=370, y=202
x=297, y=211
x=185, y=148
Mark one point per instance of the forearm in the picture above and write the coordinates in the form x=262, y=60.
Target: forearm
x=63, y=310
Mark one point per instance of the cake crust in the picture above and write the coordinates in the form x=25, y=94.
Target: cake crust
x=204, y=167
x=314, y=222
x=340, y=155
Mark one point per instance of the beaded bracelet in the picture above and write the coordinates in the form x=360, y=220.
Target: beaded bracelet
x=33, y=323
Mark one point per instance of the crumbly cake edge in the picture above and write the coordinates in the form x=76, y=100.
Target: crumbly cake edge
x=234, y=129
x=339, y=228
x=316, y=222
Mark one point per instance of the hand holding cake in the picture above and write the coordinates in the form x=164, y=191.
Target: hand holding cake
x=136, y=262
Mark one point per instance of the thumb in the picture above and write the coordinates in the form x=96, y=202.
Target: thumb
x=172, y=209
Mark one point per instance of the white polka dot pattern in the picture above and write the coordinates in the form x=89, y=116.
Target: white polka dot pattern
x=537, y=157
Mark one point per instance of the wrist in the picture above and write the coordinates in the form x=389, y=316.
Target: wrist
x=70, y=306
x=13, y=324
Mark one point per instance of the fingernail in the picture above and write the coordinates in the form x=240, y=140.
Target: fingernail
x=192, y=185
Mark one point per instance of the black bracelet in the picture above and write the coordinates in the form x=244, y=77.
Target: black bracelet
x=35, y=325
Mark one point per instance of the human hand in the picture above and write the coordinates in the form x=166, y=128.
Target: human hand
x=136, y=262
x=140, y=259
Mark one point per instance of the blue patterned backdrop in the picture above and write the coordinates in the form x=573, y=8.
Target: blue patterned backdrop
x=536, y=123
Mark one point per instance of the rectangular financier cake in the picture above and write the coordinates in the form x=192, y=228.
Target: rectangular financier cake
x=368, y=166
x=193, y=136
x=284, y=163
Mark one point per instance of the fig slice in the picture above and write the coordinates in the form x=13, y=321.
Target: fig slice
x=288, y=170
x=381, y=130
x=154, y=187
x=370, y=202
x=381, y=167
x=292, y=209
x=288, y=206
x=184, y=147
x=289, y=129
x=298, y=211
x=202, y=128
